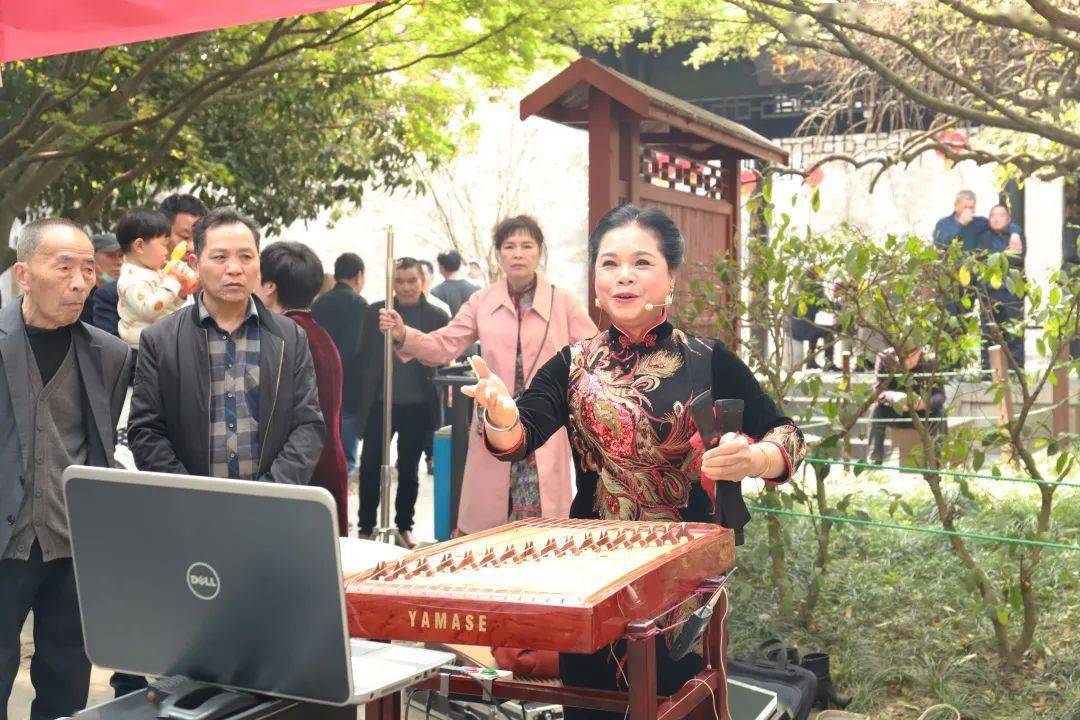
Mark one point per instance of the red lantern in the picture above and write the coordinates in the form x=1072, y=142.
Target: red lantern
x=814, y=177
x=953, y=140
x=748, y=182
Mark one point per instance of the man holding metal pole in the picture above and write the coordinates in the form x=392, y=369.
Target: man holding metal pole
x=397, y=397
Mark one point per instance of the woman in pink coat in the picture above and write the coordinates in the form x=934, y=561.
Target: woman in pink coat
x=521, y=321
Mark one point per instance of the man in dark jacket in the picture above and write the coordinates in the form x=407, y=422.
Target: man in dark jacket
x=341, y=312
x=291, y=276
x=108, y=258
x=62, y=387
x=224, y=387
x=105, y=315
x=414, y=408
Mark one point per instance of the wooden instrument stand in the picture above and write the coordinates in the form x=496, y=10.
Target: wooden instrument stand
x=701, y=698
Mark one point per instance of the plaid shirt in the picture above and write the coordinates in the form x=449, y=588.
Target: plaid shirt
x=234, y=396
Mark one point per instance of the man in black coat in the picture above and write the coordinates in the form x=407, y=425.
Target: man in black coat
x=414, y=410
x=341, y=311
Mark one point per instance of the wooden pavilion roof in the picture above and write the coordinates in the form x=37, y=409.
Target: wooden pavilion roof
x=666, y=121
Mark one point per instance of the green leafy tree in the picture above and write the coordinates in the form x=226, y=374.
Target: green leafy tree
x=285, y=119
x=1012, y=69
x=909, y=293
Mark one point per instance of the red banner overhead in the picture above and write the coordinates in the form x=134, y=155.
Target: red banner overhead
x=35, y=28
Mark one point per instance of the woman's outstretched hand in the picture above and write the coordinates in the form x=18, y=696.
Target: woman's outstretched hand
x=491, y=394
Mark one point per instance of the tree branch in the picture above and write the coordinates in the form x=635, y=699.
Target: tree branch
x=451, y=53
x=1055, y=15
x=1006, y=22
x=36, y=110
x=906, y=88
x=926, y=59
x=182, y=103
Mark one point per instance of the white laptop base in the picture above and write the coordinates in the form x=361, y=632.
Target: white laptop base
x=379, y=669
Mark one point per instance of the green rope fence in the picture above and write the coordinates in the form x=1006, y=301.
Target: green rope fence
x=950, y=473
x=970, y=374
x=824, y=422
x=915, y=528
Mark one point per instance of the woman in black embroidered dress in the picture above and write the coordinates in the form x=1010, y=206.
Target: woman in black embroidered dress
x=623, y=397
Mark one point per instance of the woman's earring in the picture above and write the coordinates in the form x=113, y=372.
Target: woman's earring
x=596, y=302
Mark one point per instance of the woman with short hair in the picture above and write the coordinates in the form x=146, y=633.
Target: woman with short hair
x=520, y=321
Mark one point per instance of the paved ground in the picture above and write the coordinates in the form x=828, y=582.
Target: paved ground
x=23, y=693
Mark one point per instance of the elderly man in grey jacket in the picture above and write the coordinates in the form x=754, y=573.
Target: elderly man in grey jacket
x=62, y=386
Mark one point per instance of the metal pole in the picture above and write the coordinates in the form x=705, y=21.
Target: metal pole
x=385, y=532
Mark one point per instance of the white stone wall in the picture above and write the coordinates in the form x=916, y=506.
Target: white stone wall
x=913, y=198
x=1045, y=218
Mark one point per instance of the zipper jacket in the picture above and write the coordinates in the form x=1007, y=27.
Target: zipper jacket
x=169, y=426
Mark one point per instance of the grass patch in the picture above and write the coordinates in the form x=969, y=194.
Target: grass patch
x=900, y=617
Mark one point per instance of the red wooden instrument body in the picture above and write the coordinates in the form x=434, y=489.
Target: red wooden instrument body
x=545, y=584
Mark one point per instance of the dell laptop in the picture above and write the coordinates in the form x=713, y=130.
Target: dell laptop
x=223, y=581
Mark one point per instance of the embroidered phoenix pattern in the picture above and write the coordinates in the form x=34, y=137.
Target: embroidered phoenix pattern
x=642, y=476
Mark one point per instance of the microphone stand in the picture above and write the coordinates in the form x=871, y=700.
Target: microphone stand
x=384, y=532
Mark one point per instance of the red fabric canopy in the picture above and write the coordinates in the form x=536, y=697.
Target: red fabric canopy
x=35, y=28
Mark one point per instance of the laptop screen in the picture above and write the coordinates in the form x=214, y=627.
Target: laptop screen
x=234, y=583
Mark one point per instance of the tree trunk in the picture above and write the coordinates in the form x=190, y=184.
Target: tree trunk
x=777, y=561
x=7, y=246
x=821, y=561
x=1027, y=581
x=982, y=582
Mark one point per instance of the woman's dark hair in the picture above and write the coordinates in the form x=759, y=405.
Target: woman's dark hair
x=296, y=270
x=668, y=238
x=142, y=223
x=217, y=217
x=518, y=223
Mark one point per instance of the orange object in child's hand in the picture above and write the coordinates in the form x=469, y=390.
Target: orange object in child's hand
x=179, y=269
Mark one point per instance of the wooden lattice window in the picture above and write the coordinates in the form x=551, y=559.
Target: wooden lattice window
x=680, y=173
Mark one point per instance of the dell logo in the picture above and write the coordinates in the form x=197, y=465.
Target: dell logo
x=203, y=581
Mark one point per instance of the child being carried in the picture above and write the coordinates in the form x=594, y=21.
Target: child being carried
x=149, y=288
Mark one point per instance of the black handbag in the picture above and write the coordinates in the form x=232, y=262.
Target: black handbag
x=795, y=687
